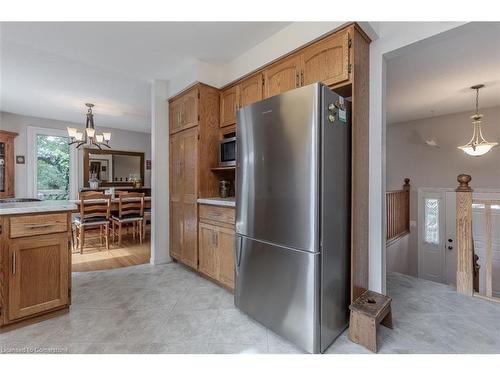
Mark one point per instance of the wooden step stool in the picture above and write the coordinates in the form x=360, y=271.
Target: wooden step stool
x=367, y=312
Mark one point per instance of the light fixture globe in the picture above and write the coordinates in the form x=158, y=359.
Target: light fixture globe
x=477, y=146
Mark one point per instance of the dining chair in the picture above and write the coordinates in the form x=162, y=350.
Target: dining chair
x=146, y=218
x=130, y=211
x=94, y=211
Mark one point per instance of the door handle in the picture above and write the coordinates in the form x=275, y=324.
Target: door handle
x=302, y=78
x=450, y=247
x=14, y=265
x=297, y=80
x=238, y=251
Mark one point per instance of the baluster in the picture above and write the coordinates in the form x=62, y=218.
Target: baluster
x=488, y=250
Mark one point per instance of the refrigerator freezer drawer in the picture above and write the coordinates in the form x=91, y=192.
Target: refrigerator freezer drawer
x=279, y=288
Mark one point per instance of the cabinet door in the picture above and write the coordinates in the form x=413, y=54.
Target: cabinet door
x=225, y=250
x=326, y=61
x=251, y=90
x=207, y=250
x=228, y=106
x=189, y=175
x=176, y=219
x=282, y=76
x=38, y=274
x=175, y=110
x=6, y=166
x=189, y=115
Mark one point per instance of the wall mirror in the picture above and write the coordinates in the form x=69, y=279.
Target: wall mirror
x=113, y=167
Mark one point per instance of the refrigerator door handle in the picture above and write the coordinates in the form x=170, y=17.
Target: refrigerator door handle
x=238, y=251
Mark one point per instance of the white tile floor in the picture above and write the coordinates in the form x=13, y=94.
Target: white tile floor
x=169, y=309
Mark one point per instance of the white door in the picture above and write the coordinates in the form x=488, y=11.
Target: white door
x=450, y=238
x=431, y=220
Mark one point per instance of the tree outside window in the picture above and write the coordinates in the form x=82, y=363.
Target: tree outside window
x=53, y=161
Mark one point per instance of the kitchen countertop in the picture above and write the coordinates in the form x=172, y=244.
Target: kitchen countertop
x=226, y=202
x=35, y=207
x=113, y=200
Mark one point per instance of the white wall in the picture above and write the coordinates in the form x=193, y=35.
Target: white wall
x=409, y=156
x=160, y=236
x=398, y=257
x=120, y=140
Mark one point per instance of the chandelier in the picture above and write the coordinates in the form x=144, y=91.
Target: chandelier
x=89, y=136
x=477, y=146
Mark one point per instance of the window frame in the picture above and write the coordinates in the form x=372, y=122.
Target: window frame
x=32, y=180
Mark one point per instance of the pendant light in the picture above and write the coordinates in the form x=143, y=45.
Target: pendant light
x=89, y=136
x=477, y=146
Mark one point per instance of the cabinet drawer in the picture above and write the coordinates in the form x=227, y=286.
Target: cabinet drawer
x=217, y=213
x=24, y=226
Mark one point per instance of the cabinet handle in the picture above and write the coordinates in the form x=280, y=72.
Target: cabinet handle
x=302, y=78
x=14, y=266
x=34, y=226
x=216, y=237
x=297, y=80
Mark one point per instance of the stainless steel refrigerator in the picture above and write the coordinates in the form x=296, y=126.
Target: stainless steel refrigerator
x=293, y=214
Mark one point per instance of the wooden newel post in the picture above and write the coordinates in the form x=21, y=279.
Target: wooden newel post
x=406, y=189
x=465, y=253
x=406, y=186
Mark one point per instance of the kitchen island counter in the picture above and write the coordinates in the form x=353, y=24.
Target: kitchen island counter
x=16, y=208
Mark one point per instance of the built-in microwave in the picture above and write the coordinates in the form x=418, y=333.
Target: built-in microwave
x=227, y=152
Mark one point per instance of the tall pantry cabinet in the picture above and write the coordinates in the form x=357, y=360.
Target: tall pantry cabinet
x=194, y=125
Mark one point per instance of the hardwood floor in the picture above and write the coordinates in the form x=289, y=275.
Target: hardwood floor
x=95, y=257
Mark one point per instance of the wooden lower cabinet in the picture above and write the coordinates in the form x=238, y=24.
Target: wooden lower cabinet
x=35, y=268
x=225, y=256
x=216, y=253
x=207, y=250
x=38, y=274
x=216, y=240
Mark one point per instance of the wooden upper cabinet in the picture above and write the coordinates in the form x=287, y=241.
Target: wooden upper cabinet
x=190, y=109
x=326, y=61
x=184, y=111
x=175, y=110
x=38, y=274
x=251, y=90
x=7, y=164
x=282, y=76
x=229, y=103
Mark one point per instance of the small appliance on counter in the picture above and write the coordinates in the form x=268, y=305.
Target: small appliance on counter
x=224, y=188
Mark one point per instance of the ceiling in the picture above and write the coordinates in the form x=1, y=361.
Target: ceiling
x=51, y=69
x=432, y=77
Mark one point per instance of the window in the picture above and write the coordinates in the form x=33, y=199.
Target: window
x=431, y=221
x=53, y=165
